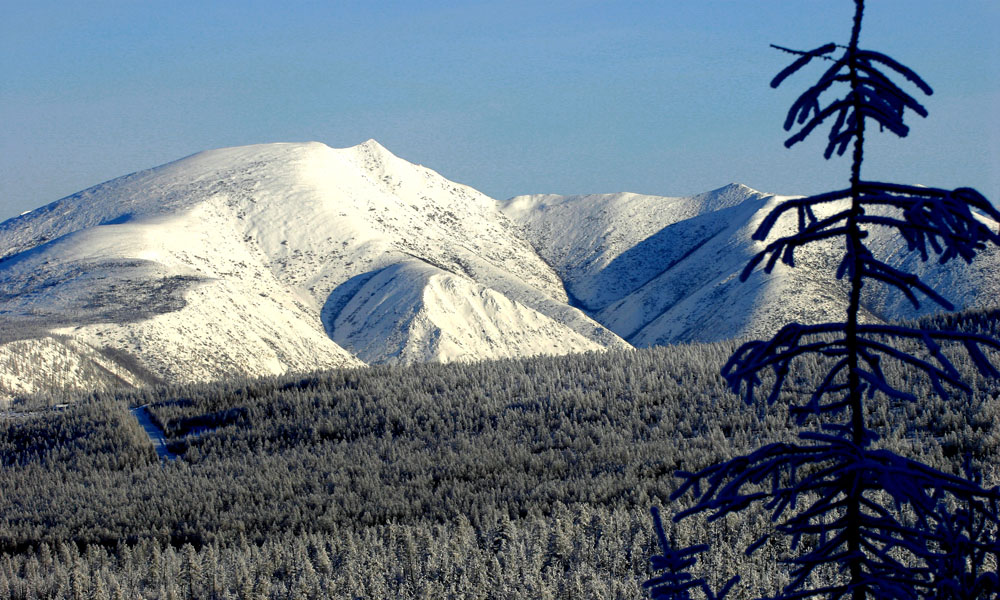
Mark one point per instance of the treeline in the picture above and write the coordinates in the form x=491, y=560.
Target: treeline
x=564, y=455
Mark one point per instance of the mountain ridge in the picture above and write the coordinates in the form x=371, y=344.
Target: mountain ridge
x=271, y=258
x=255, y=241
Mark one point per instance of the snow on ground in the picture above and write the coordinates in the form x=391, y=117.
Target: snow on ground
x=153, y=432
x=57, y=363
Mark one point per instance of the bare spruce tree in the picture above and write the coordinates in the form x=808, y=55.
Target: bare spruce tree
x=877, y=524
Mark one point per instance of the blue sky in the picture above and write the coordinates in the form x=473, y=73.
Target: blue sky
x=663, y=97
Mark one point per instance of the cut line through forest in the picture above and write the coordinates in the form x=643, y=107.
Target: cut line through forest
x=157, y=436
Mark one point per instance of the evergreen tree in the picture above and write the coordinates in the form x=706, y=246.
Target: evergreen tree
x=78, y=581
x=674, y=582
x=191, y=574
x=864, y=522
x=99, y=592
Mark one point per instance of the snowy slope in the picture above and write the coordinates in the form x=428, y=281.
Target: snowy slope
x=242, y=261
x=608, y=245
x=659, y=270
x=439, y=316
x=181, y=294
x=55, y=363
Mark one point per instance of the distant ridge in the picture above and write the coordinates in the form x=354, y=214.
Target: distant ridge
x=660, y=270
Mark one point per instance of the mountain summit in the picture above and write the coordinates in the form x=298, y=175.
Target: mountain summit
x=273, y=258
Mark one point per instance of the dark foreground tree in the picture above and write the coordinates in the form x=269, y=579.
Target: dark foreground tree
x=862, y=522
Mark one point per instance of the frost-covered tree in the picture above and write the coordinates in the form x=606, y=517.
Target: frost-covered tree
x=674, y=581
x=862, y=521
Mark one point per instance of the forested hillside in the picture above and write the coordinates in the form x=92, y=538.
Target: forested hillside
x=503, y=479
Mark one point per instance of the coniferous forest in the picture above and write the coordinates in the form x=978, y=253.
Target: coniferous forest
x=507, y=479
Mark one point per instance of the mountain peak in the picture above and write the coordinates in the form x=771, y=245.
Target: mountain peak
x=378, y=159
x=733, y=188
x=736, y=186
x=372, y=146
x=727, y=196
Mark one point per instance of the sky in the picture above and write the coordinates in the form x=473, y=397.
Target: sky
x=666, y=97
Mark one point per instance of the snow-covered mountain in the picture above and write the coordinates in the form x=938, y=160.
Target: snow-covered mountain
x=274, y=258
x=290, y=257
x=658, y=270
